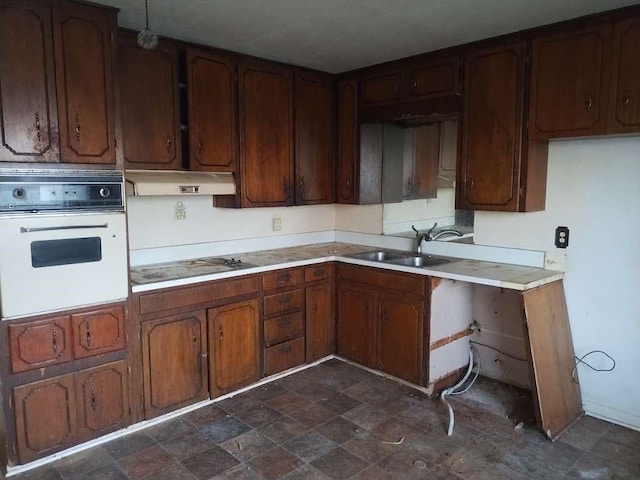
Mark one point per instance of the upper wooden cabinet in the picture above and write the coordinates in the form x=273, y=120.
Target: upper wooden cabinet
x=625, y=77
x=570, y=82
x=29, y=116
x=266, y=134
x=498, y=168
x=213, y=111
x=150, y=106
x=83, y=37
x=410, y=81
x=347, y=159
x=314, y=138
x=62, y=113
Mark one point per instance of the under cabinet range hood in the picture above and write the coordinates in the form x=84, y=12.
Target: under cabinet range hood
x=164, y=182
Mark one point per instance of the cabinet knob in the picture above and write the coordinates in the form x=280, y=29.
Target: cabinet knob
x=54, y=341
x=220, y=332
x=284, y=322
x=194, y=338
x=589, y=102
x=88, y=334
x=627, y=99
x=384, y=318
x=318, y=272
x=94, y=403
x=285, y=186
x=200, y=145
x=286, y=349
x=284, y=277
x=284, y=299
x=169, y=144
x=414, y=84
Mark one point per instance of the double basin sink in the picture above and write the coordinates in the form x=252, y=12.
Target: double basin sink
x=407, y=259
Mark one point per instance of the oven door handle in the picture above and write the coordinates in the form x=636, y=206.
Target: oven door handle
x=65, y=227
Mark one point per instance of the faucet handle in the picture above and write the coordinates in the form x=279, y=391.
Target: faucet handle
x=413, y=227
x=432, y=229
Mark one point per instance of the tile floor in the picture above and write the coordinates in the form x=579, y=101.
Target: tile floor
x=337, y=421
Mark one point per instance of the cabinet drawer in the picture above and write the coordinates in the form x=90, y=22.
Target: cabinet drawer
x=99, y=331
x=283, y=278
x=284, y=356
x=40, y=343
x=283, y=302
x=318, y=272
x=286, y=327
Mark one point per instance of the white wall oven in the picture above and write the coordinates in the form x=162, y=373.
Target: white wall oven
x=62, y=240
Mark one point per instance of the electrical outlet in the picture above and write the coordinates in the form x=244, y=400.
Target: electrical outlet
x=276, y=224
x=180, y=211
x=562, y=237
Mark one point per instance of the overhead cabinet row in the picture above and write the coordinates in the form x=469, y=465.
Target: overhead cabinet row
x=228, y=114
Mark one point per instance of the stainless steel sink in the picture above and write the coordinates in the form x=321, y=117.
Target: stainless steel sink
x=418, y=261
x=378, y=256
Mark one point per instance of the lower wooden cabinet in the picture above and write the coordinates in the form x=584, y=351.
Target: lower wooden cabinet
x=234, y=346
x=399, y=336
x=174, y=362
x=355, y=323
x=59, y=412
x=382, y=321
x=321, y=324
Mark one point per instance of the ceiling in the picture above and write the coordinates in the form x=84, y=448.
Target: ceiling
x=340, y=35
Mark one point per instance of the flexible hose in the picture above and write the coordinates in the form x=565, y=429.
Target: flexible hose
x=453, y=390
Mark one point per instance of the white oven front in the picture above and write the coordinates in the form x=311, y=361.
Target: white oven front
x=54, y=262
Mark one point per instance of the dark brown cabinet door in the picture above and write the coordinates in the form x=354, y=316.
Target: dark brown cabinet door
x=569, y=83
x=213, y=118
x=103, y=400
x=321, y=324
x=150, y=106
x=45, y=415
x=174, y=362
x=356, y=304
x=400, y=336
x=348, y=142
x=97, y=332
x=434, y=79
x=266, y=129
x=420, y=162
x=83, y=39
x=40, y=343
x=625, y=102
x=234, y=346
x=29, y=117
x=381, y=88
x=315, y=149
x=491, y=129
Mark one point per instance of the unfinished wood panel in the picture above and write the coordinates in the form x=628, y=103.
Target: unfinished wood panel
x=548, y=335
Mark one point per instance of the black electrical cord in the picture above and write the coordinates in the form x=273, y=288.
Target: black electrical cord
x=581, y=360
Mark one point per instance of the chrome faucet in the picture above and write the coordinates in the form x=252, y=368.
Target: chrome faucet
x=430, y=236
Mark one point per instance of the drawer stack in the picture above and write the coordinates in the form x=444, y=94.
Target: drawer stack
x=284, y=324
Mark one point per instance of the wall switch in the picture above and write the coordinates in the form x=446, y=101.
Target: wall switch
x=180, y=211
x=276, y=224
x=562, y=237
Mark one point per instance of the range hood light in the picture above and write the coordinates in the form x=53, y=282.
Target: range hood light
x=162, y=183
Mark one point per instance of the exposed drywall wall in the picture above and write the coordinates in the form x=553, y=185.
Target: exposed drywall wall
x=593, y=188
x=152, y=221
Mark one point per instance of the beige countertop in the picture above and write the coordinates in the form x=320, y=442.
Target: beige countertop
x=163, y=275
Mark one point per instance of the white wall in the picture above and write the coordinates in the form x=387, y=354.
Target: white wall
x=152, y=223
x=594, y=189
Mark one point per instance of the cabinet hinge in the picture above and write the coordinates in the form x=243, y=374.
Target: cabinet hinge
x=10, y=402
x=521, y=192
x=129, y=369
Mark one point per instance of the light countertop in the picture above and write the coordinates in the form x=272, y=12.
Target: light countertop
x=186, y=272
